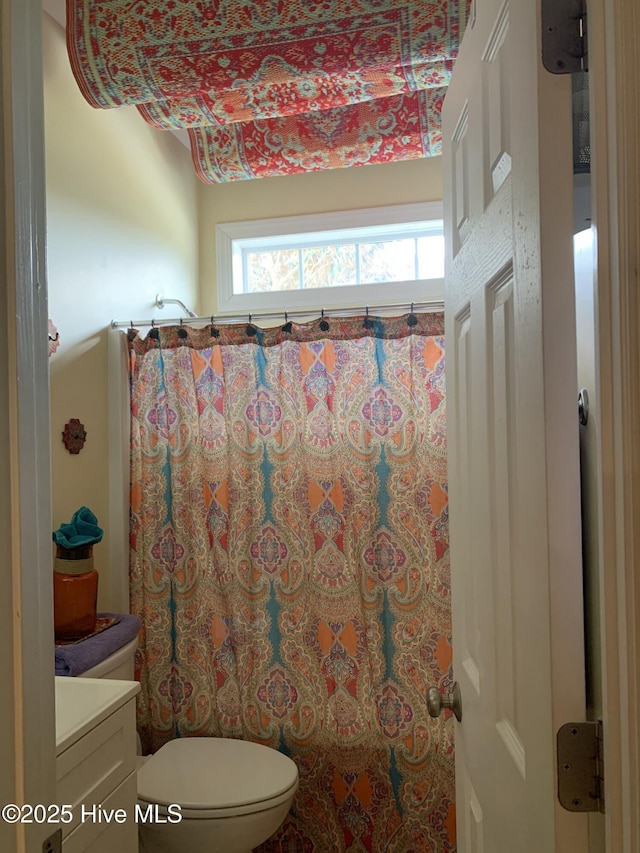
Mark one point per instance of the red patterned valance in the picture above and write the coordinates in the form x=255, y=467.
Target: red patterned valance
x=274, y=87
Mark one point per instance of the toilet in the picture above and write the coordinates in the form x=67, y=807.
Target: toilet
x=230, y=795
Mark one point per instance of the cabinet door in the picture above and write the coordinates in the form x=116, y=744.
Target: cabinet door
x=92, y=767
x=101, y=837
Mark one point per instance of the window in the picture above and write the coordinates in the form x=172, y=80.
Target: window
x=345, y=259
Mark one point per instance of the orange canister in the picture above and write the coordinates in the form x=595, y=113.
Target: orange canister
x=75, y=592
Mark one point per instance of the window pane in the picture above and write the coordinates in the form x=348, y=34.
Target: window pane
x=431, y=257
x=329, y=266
x=270, y=271
x=393, y=260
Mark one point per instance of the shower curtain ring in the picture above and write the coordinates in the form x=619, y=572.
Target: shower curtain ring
x=154, y=334
x=251, y=330
x=288, y=325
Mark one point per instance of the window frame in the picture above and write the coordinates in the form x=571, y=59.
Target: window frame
x=229, y=262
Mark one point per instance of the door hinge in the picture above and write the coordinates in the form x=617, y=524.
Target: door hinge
x=581, y=767
x=564, y=36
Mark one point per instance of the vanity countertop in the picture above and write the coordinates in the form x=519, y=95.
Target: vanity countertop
x=83, y=703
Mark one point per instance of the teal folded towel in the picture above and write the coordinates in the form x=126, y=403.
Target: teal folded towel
x=82, y=530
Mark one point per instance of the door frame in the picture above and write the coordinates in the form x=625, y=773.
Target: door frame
x=26, y=640
x=614, y=80
x=26, y=626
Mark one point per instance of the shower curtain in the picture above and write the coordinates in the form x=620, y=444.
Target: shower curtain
x=290, y=564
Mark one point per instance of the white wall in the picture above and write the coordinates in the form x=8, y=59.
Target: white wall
x=122, y=226
x=315, y=192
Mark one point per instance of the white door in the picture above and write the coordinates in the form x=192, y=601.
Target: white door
x=513, y=434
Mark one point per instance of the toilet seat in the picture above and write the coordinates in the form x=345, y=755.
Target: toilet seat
x=212, y=777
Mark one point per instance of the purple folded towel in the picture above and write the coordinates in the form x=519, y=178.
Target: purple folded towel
x=78, y=658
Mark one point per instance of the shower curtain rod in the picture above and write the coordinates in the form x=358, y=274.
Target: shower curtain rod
x=433, y=305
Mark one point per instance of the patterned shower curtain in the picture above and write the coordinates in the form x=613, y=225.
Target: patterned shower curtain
x=290, y=564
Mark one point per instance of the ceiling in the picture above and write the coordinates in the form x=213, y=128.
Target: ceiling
x=57, y=10
x=255, y=95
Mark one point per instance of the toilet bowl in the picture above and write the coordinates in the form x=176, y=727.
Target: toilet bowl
x=229, y=795
x=217, y=795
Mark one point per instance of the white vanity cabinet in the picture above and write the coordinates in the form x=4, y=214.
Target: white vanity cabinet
x=96, y=764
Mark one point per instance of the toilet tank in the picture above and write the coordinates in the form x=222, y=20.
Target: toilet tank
x=118, y=665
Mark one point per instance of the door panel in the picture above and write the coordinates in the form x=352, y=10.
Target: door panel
x=514, y=473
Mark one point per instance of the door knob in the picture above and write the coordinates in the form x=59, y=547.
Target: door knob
x=436, y=701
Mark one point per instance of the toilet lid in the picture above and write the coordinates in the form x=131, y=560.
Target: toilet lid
x=215, y=773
